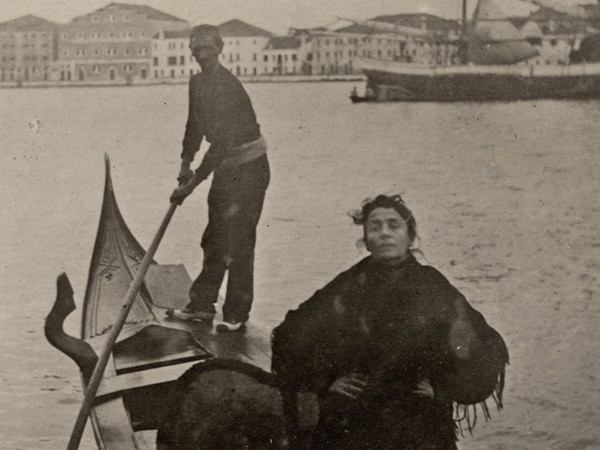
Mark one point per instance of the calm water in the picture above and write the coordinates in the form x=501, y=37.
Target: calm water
x=505, y=195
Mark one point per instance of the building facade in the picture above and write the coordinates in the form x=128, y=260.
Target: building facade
x=28, y=49
x=244, y=46
x=243, y=52
x=330, y=51
x=554, y=34
x=112, y=44
x=171, y=56
x=282, y=55
x=326, y=52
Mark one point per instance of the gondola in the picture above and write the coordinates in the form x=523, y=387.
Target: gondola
x=152, y=350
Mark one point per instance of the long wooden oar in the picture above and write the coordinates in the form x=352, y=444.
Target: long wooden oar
x=92, y=387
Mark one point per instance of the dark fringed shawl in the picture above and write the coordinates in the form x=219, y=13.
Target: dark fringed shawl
x=392, y=324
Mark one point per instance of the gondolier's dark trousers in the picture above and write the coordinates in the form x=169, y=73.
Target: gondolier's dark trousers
x=235, y=202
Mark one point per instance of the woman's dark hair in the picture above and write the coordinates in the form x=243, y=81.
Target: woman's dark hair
x=395, y=202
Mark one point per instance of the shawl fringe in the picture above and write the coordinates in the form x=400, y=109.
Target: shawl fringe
x=465, y=416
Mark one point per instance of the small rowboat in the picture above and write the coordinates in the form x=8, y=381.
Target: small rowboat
x=359, y=99
x=152, y=350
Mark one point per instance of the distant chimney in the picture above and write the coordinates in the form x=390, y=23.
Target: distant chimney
x=424, y=22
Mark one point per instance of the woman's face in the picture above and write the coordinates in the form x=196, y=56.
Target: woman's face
x=386, y=234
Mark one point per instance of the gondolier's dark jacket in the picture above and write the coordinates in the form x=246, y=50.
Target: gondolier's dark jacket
x=220, y=110
x=392, y=324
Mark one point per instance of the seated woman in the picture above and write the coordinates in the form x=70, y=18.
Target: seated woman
x=393, y=350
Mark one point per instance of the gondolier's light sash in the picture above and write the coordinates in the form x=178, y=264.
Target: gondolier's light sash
x=245, y=153
x=92, y=387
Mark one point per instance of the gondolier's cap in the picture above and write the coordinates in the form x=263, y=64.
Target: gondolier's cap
x=206, y=30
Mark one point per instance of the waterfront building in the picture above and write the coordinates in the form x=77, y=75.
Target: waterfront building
x=429, y=40
x=112, y=44
x=414, y=38
x=369, y=42
x=244, y=45
x=243, y=52
x=27, y=49
x=560, y=34
x=171, y=56
x=327, y=52
x=281, y=56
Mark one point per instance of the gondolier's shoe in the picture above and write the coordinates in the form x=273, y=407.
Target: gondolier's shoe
x=227, y=326
x=190, y=314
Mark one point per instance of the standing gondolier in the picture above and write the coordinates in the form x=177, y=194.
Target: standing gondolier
x=220, y=110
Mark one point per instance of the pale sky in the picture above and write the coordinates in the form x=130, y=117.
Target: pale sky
x=274, y=15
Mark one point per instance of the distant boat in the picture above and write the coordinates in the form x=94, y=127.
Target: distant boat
x=493, y=49
x=361, y=99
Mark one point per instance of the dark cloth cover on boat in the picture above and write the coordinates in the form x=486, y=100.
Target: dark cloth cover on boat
x=392, y=324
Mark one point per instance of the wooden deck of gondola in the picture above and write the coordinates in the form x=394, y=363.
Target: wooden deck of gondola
x=112, y=423
x=250, y=346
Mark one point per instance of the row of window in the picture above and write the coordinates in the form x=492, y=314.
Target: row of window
x=173, y=45
x=127, y=68
x=336, y=41
x=66, y=75
x=172, y=61
x=230, y=42
x=172, y=73
x=181, y=60
x=109, y=51
x=329, y=70
x=34, y=58
x=11, y=76
x=25, y=45
x=365, y=39
x=111, y=18
x=335, y=55
x=98, y=35
x=25, y=69
x=276, y=70
x=184, y=44
x=341, y=41
x=281, y=57
x=12, y=36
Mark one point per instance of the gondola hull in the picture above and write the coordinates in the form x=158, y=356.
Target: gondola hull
x=152, y=350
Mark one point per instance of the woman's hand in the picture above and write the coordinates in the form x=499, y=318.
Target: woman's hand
x=424, y=389
x=351, y=385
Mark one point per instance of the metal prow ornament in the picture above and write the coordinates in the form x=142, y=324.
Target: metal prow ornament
x=77, y=349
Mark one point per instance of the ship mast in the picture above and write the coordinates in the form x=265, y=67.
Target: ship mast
x=464, y=45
